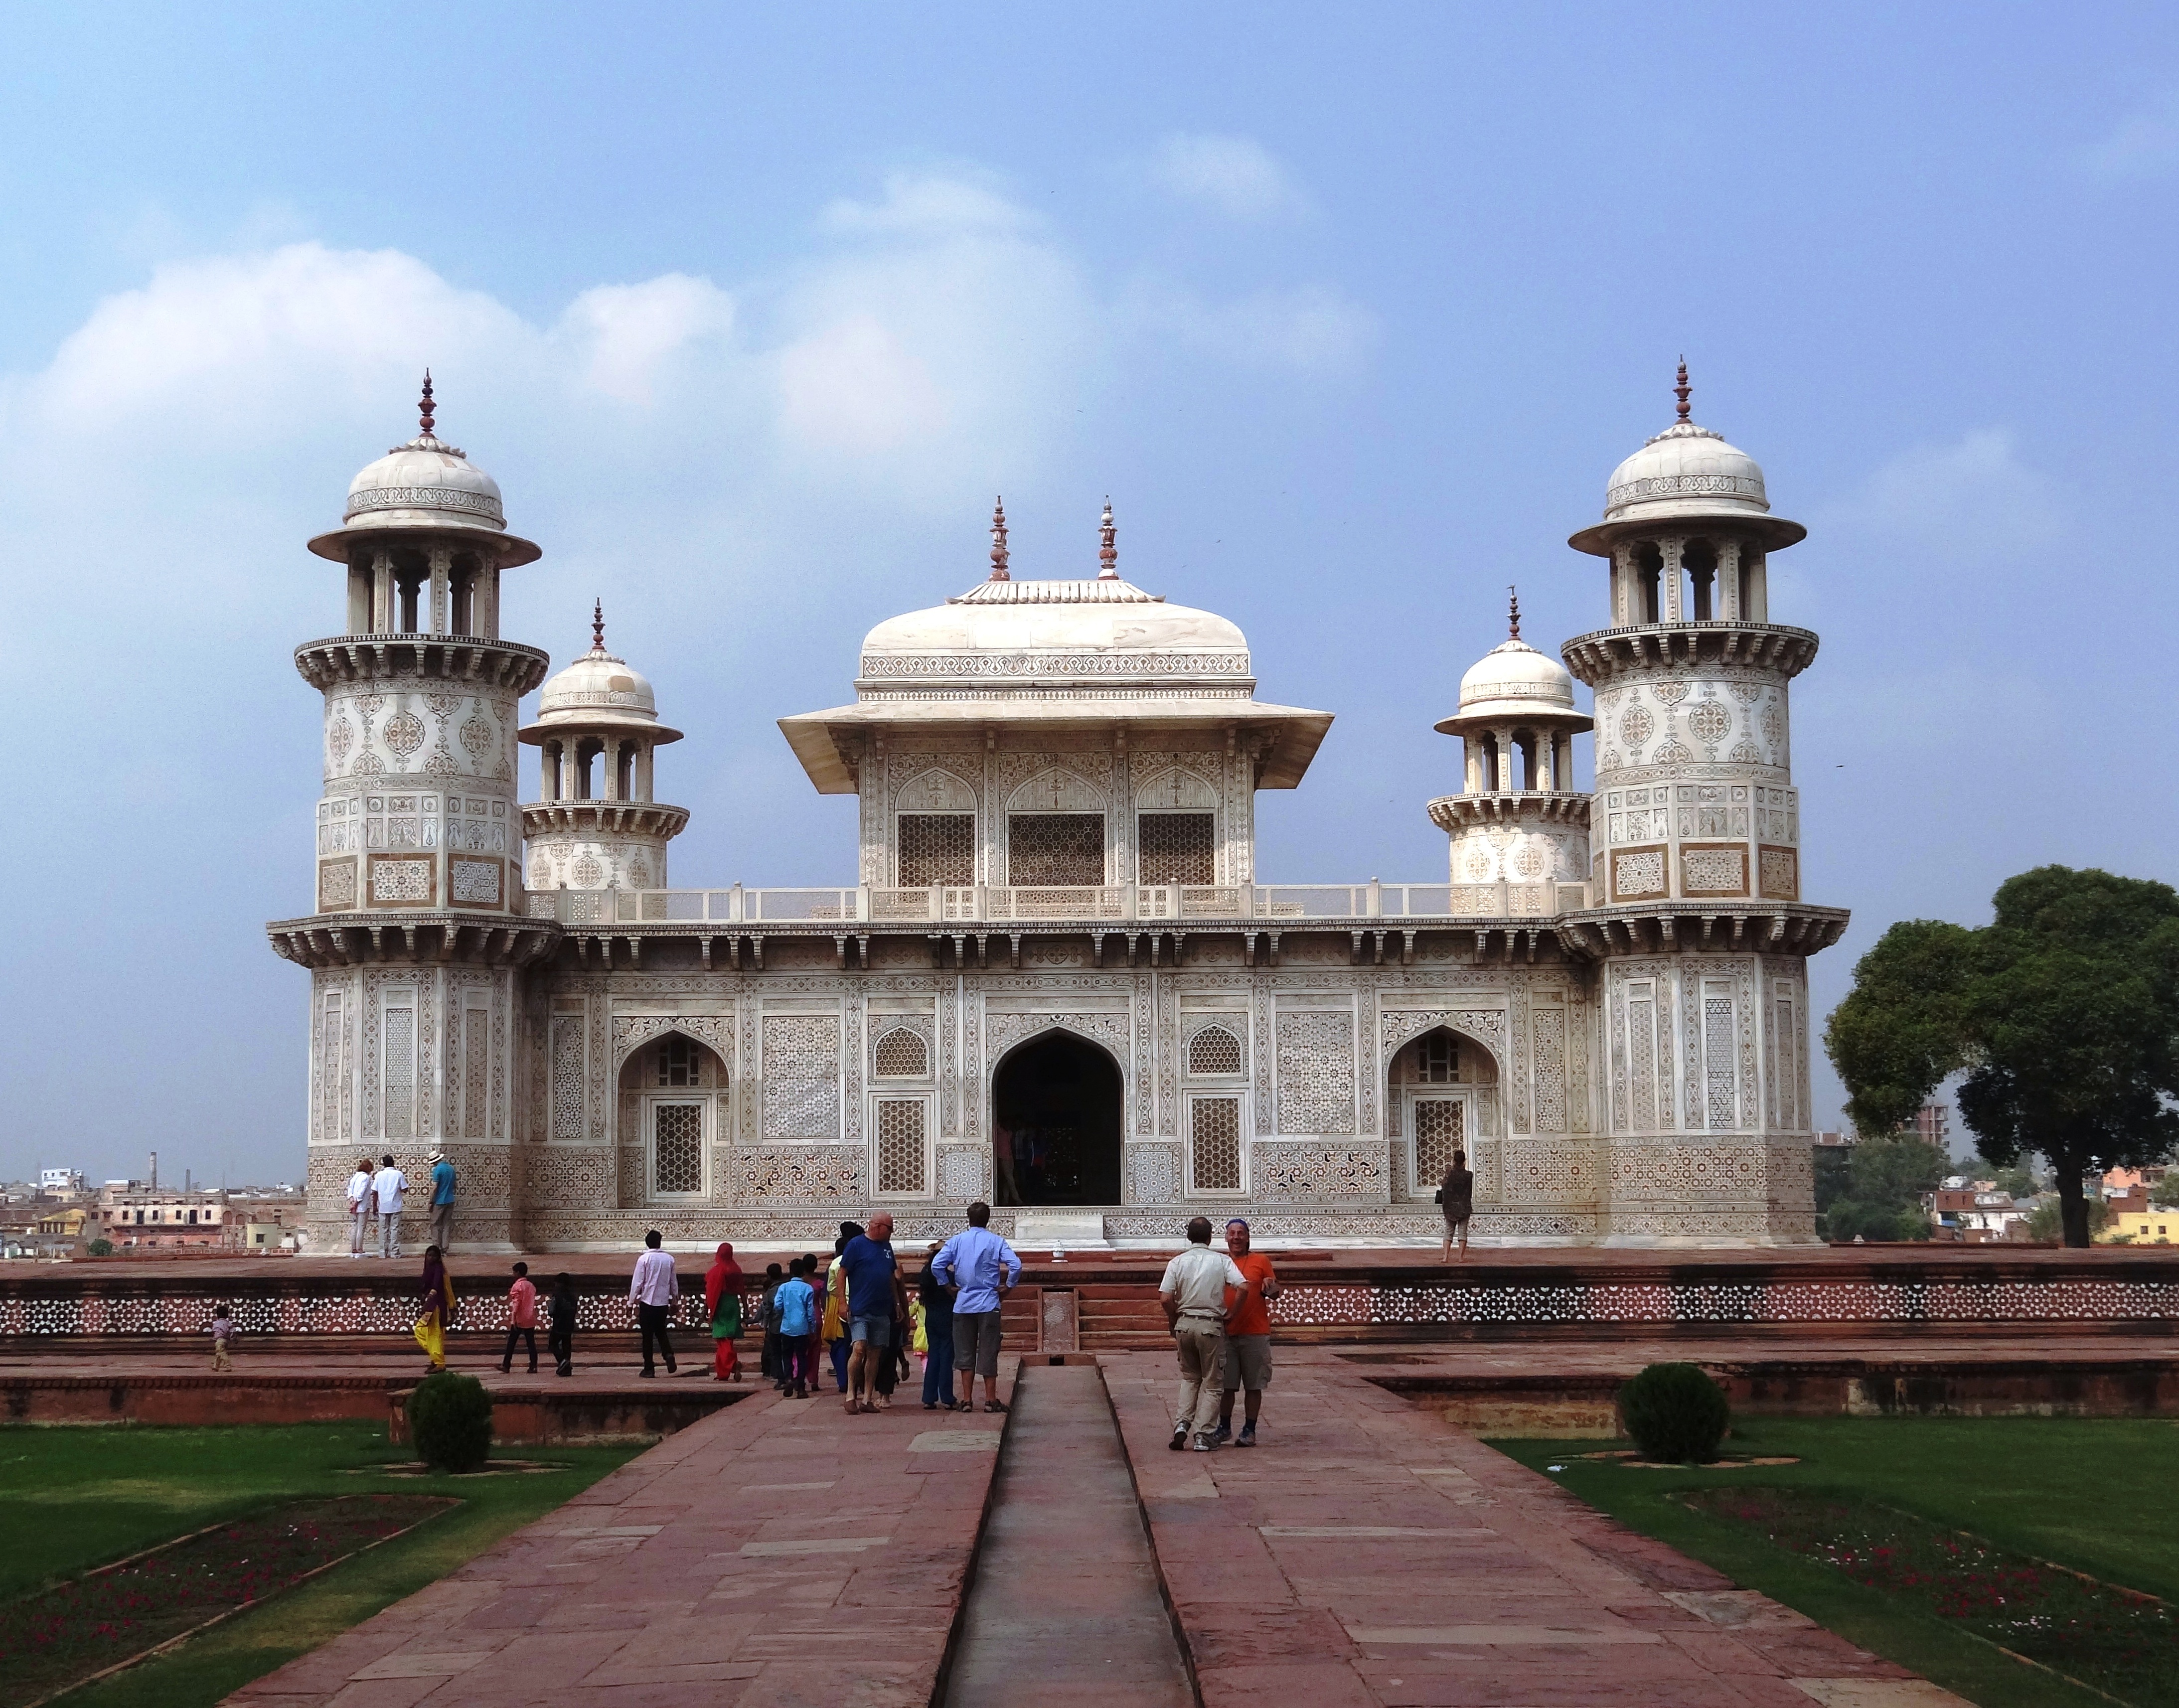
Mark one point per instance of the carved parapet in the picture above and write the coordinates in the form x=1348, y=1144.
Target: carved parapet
x=640, y=818
x=1793, y=928
x=1605, y=654
x=459, y=658
x=1455, y=813
x=341, y=940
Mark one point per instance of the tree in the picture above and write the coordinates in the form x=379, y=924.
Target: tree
x=2017, y=1181
x=2063, y=1012
x=1885, y=1178
x=2045, y=1222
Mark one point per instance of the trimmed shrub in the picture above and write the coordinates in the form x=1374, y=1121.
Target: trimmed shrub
x=450, y=1421
x=1676, y=1414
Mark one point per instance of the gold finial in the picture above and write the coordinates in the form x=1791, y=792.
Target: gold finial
x=1514, y=615
x=1108, y=553
x=1682, y=389
x=598, y=626
x=424, y=407
x=999, y=541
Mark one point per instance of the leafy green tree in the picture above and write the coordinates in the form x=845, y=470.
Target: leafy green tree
x=1833, y=1171
x=2045, y=1222
x=2017, y=1181
x=1886, y=1180
x=2063, y=1013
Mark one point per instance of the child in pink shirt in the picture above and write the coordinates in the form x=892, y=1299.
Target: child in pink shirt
x=521, y=1319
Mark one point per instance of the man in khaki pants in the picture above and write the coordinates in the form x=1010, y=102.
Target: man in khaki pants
x=1199, y=1288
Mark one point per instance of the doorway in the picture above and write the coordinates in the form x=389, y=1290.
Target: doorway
x=1055, y=1123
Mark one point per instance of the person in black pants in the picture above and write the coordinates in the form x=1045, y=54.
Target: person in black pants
x=652, y=1290
x=937, y=1300
x=560, y=1341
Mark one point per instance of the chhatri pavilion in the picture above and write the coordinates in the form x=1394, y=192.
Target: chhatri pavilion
x=1057, y=980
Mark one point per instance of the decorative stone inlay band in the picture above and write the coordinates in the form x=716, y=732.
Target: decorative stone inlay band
x=425, y=498
x=1684, y=487
x=876, y=665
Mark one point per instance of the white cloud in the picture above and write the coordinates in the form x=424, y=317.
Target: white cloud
x=1311, y=329
x=928, y=205
x=623, y=334
x=1973, y=495
x=2145, y=145
x=1233, y=174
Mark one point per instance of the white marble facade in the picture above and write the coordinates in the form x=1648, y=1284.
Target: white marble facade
x=1058, y=980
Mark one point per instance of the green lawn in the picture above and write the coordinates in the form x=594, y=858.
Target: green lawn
x=2060, y=1489
x=74, y=1498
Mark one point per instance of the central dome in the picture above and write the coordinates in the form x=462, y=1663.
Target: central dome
x=1054, y=632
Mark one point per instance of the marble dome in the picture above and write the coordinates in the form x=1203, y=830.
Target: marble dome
x=1514, y=683
x=425, y=485
x=599, y=690
x=1686, y=474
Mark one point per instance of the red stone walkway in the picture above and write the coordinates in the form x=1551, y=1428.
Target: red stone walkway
x=778, y=1553
x=1368, y=1553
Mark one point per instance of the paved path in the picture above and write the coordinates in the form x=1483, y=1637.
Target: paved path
x=1368, y=1553
x=777, y=1554
x=1065, y=1606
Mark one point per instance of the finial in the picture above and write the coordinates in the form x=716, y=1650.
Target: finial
x=1108, y=553
x=1683, y=388
x=598, y=626
x=999, y=541
x=1513, y=616
x=424, y=405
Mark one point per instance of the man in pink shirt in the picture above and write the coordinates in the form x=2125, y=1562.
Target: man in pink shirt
x=521, y=1319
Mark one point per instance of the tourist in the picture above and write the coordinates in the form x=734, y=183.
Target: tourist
x=978, y=1266
x=1199, y=1288
x=770, y=1359
x=223, y=1337
x=651, y=1290
x=1457, y=1196
x=560, y=1341
x=359, y=1205
x=938, y=1306
x=521, y=1319
x=387, y=1187
x=436, y=1311
x=797, y=1305
x=833, y=1332
x=442, y=1201
x=722, y=1298
x=1248, y=1335
x=872, y=1278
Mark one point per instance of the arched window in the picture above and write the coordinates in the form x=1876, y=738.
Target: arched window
x=1213, y=1050
x=903, y=1054
x=677, y=1061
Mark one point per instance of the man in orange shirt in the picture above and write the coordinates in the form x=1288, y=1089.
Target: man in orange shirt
x=1248, y=1336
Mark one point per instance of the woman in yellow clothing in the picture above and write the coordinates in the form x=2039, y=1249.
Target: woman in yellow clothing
x=437, y=1310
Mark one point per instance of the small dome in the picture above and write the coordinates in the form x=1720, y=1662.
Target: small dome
x=1514, y=681
x=424, y=484
x=597, y=682
x=1686, y=469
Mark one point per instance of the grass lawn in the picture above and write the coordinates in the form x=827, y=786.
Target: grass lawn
x=73, y=1498
x=2060, y=1489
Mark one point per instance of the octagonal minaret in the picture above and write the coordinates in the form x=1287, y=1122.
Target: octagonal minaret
x=593, y=825
x=418, y=925
x=1519, y=829
x=1695, y=828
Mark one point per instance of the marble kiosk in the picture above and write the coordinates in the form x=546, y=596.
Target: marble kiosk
x=1058, y=980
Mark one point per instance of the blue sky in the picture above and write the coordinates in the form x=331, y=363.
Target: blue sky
x=750, y=310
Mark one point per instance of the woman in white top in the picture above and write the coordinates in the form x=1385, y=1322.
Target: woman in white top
x=359, y=1205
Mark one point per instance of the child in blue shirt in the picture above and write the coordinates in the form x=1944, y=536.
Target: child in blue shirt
x=797, y=1304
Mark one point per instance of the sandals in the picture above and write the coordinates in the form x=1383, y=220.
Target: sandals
x=995, y=1405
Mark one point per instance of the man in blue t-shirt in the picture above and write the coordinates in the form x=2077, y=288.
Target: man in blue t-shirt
x=874, y=1298
x=442, y=1202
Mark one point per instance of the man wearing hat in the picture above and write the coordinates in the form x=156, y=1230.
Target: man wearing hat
x=442, y=1202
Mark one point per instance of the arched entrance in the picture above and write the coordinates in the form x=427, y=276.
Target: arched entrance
x=1056, y=1120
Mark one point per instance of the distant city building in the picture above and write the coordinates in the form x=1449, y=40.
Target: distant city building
x=2144, y=1227
x=1932, y=1121
x=131, y=1214
x=60, y=1183
x=1834, y=1141
x=1976, y=1214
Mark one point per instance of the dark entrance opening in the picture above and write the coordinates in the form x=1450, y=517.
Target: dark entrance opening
x=1055, y=1116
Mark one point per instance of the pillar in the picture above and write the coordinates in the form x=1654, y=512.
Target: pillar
x=1728, y=580
x=384, y=593
x=442, y=559
x=609, y=767
x=1673, y=577
x=359, y=598
x=484, y=602
x=643, y=772
x=548, y=766
x=1505, y=759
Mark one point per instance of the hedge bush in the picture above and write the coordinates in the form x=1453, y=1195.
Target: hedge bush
x=1676, y=1414
x=450, y=1421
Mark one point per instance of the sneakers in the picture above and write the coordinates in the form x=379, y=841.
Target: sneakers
x=1204, y=1444
x=1225, y=1431
x=1179, y=1442
x=1246, y=1438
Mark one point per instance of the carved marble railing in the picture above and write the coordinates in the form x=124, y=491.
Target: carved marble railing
x=951, y=904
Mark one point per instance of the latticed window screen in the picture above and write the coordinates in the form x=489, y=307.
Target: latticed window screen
x=1177, y=847
x=1437, y=1061
x=677, y=1062
x=900, y=1145
x=1440, y=1131
x=904, y=1054
x=1215, y=1143
x=1213, y=1050
x=677, y=1138
x=1055, y=848
x=937, y=848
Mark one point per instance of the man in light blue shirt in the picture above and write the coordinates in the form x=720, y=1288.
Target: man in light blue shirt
x=977, y=1265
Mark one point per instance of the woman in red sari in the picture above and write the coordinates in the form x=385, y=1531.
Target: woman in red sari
x=722, y=1297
